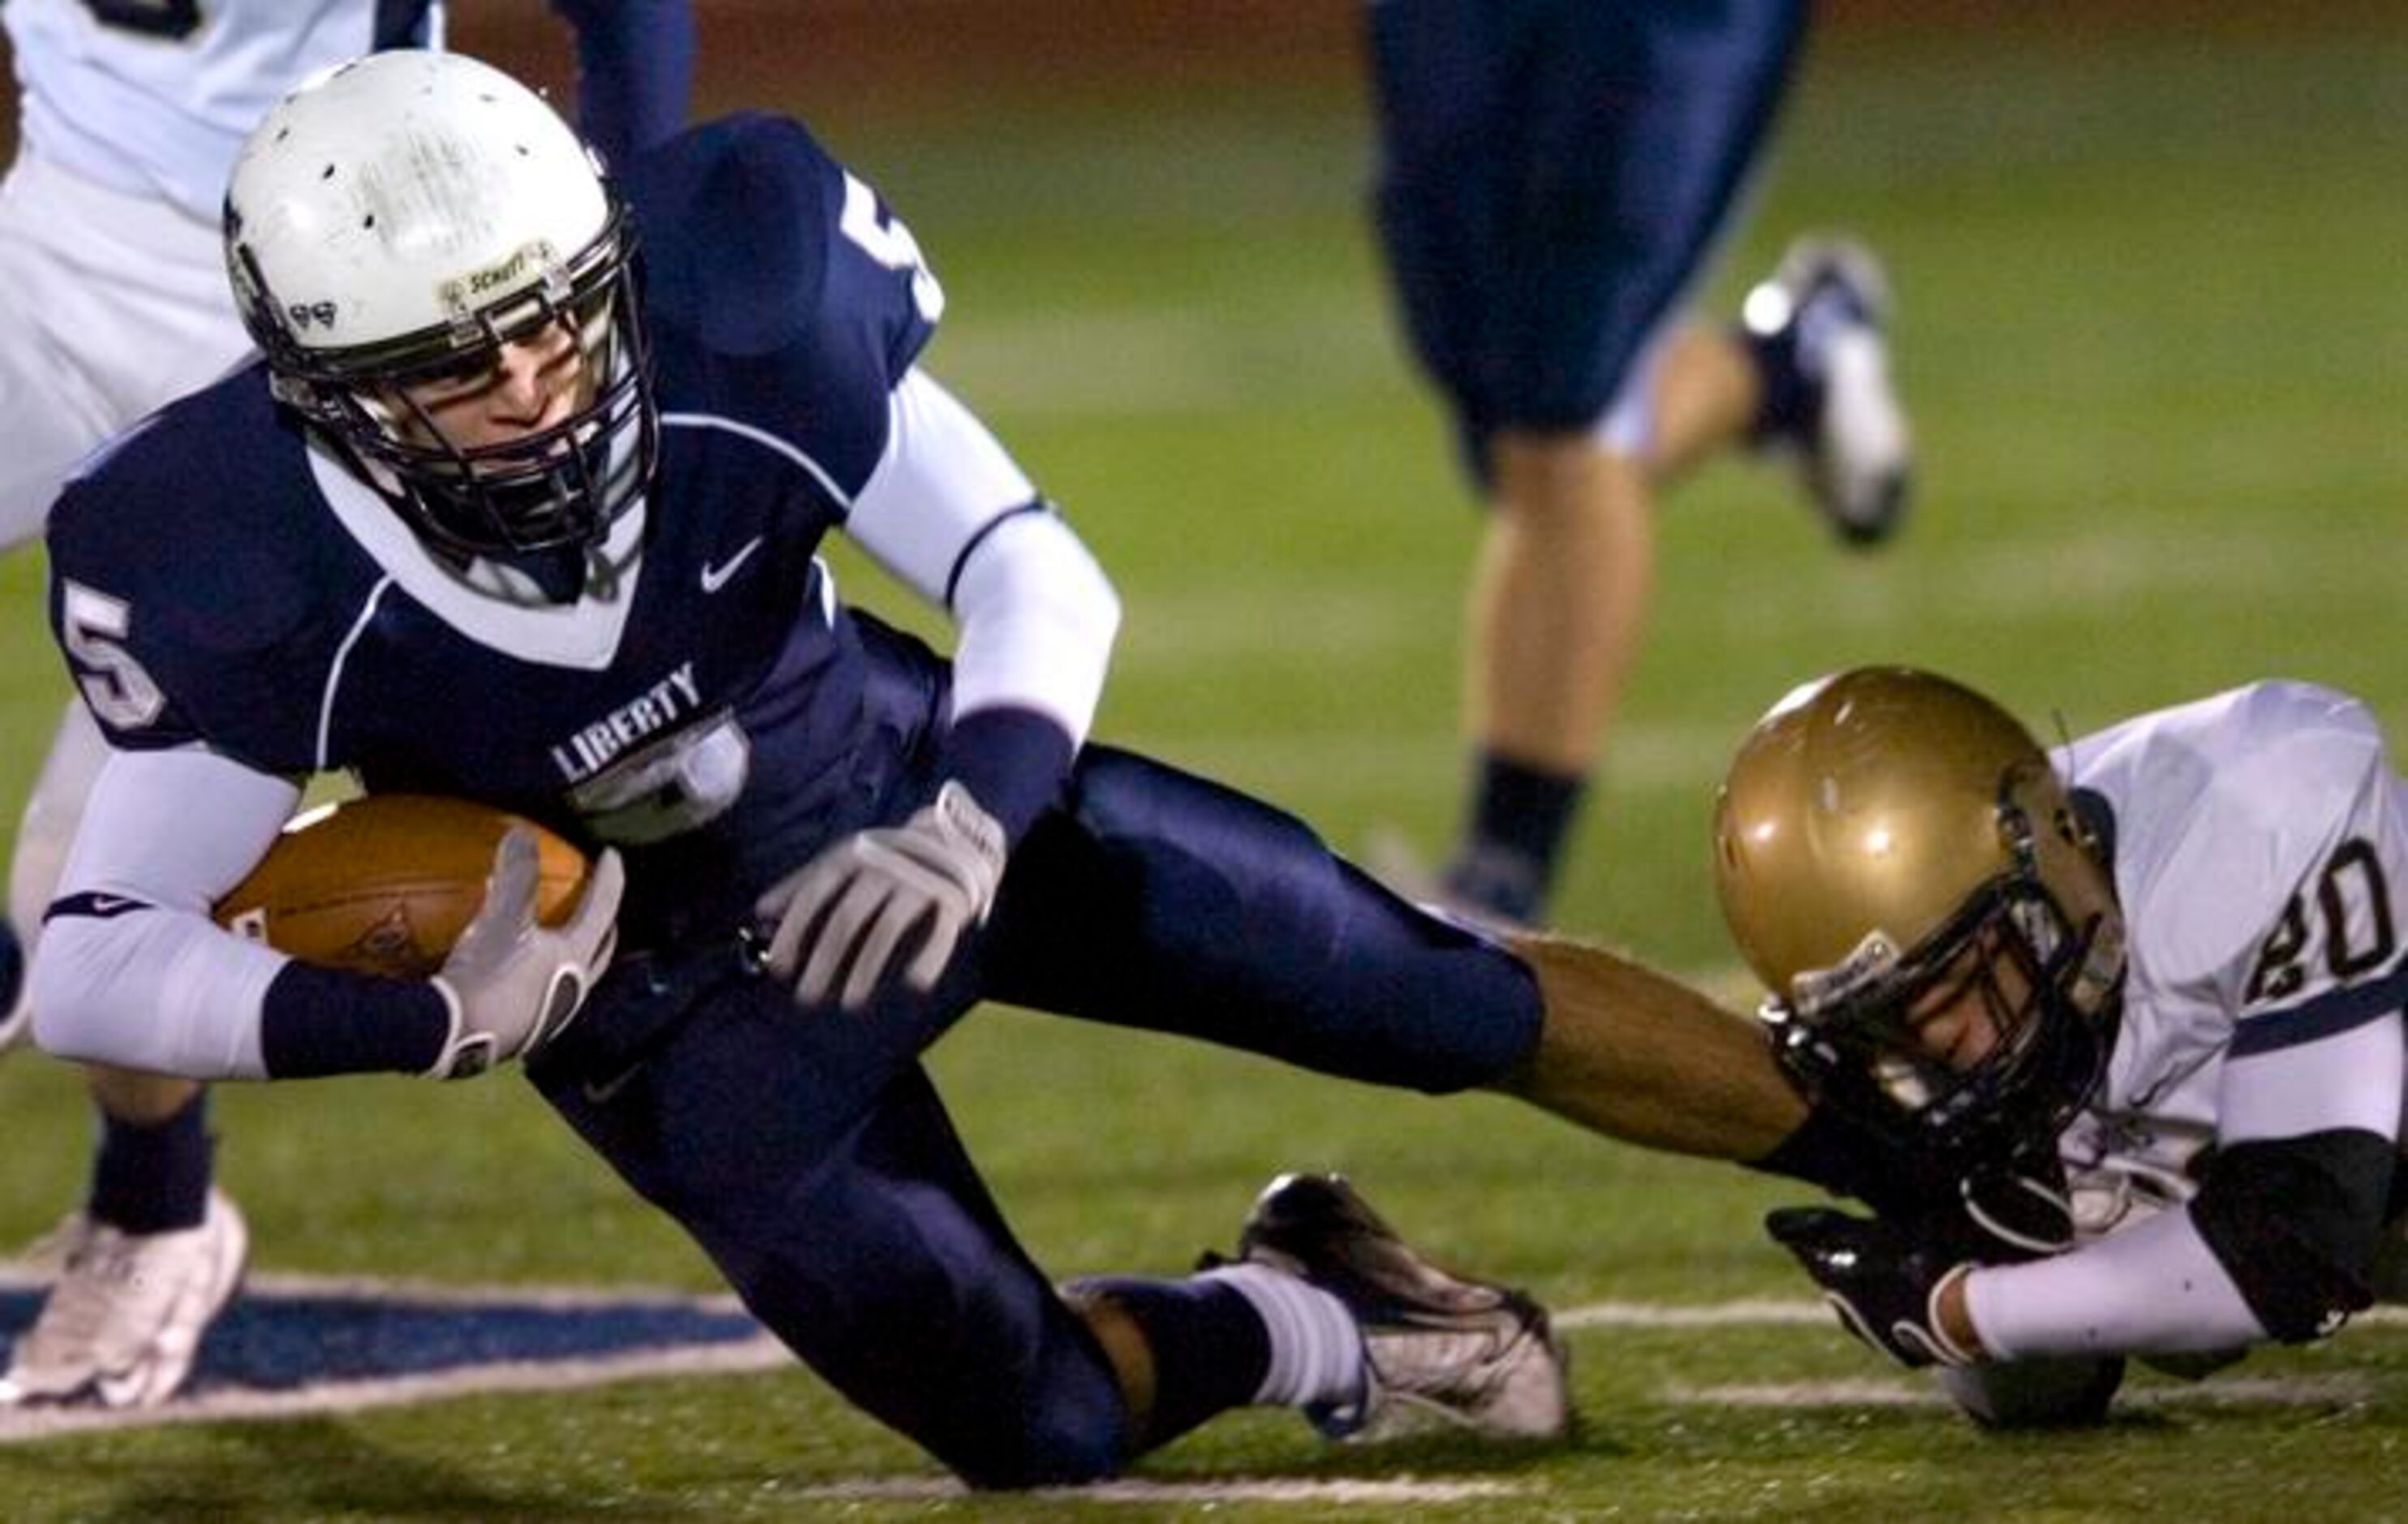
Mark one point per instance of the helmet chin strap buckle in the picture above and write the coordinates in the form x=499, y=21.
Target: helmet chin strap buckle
x=1817, y=992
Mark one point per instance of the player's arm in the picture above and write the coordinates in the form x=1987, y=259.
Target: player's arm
x=951, y=515
x=2280, y=1240
x=635, y=71
x=132, y=971
x=948, y=512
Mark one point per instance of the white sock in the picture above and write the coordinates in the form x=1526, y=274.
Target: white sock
x=1316, y=1350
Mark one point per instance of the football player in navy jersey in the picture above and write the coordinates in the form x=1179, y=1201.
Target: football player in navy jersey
x=508, y=514
x=1553, y=178
x=109, y=248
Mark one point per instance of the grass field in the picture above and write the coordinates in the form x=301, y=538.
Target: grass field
x=2155, y=335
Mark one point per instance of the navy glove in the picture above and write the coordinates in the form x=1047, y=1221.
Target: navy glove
x=1884, y=1278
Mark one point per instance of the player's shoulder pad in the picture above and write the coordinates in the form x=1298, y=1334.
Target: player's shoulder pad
x=735, y=218
x=2323, y=742
x=2312, y=743
x=203, y=516
x=2250, y=792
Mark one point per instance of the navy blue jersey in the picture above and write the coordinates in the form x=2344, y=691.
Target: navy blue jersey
x=219, y=580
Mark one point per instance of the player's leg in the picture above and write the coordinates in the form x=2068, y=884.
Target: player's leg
x=153, y=1254
x=52, y=409
x=1556, y=610
x=45, y=831
x=1706, y=395
x=807, y=1156
x=1543, y=602
x=145, y=1264
x=813, y=1162
x=1815, y=334
x=1804, y=376
x=1161, y=900
x=116, y=304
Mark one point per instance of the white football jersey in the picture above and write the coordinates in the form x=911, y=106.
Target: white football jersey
x=2258, y=837
x=154, y=97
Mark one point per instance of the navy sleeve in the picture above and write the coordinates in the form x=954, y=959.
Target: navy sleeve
x=319, y=1021
x=635, y=71
x=1013, y=762
x=192, y=590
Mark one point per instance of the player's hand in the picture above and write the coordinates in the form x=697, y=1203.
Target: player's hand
x=2019, y=1209
x=848, y=911
x=513, y=984
x=1884, y=1280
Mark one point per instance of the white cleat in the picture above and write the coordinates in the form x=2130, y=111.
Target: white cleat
x=125, y=1319
x=1439, y=1351
x=1854, y=453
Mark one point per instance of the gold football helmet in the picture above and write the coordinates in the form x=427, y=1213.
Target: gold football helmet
x=1885, y=833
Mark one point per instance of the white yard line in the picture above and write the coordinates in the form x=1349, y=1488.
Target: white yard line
x=760, y=1352
x=1907, y=1391
x=1237, y=1489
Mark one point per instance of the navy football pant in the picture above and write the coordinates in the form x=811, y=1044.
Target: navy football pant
x=807, y=1153
x=1553, y=173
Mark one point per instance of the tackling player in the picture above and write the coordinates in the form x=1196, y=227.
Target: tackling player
x=2171, y=961
x=129, y=117
x=504, y=514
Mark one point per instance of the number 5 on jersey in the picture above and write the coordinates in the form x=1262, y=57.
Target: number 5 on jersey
x=884, y=238
x=113, y=682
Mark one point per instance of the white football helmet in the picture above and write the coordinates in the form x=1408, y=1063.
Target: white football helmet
x=398, y=220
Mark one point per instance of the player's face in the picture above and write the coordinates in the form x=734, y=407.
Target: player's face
x=1969, y=1011
x=531, y=383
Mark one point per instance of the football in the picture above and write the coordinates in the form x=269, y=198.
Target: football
x=385, y=883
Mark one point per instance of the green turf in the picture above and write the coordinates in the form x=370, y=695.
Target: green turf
x=2156, y=340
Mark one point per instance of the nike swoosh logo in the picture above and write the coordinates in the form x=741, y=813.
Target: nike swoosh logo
x=715, y=578
x=603, y=1093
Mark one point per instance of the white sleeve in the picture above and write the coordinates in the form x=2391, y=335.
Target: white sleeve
x=129, y=969
x=2151, y=1288
x=949, y=513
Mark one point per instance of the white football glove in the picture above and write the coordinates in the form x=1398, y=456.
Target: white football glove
x=513, y=984
x=859, y=899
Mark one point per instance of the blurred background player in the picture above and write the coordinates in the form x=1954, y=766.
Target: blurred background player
x=2170, y=966
x=129, y=118
x=1554, y=176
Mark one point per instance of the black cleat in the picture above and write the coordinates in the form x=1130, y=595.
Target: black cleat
x=1438, y=1350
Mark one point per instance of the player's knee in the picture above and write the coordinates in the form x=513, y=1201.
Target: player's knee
x=1073, y=1418
x=1055, y=1444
